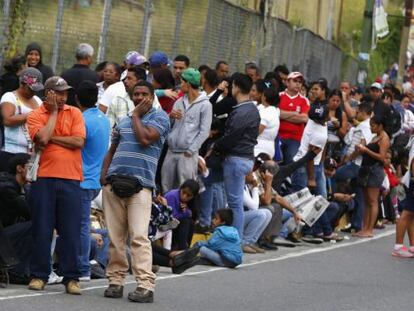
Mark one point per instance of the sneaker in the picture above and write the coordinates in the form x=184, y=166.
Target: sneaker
x=293, y=237
x=402, y=252
x=257, y=249
x=283, y=242
x=37, y=284
x=97, y=272
x=114, y=291
x=248, y=250
x=171, y=225
x=85, y=278
x=73, y=288
x=141, y=295
x=54, y=278
x=312, y=240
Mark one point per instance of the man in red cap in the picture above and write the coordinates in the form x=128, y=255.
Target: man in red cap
x=293, y=116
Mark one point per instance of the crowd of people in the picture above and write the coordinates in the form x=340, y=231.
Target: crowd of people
x=153, y=162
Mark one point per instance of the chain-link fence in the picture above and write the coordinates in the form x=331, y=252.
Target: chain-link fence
x=205, y=30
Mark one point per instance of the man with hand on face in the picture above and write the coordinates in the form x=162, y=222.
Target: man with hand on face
x=55, y=198
x=128, y=177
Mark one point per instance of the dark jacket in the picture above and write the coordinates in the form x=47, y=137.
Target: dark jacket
x=74, y=76
x=13, y=206
x=240, y=134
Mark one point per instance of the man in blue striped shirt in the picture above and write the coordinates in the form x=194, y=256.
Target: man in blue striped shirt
x=132, y=162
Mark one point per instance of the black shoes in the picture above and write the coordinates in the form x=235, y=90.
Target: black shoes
x=114, y=291
x=185, y=256
x=181, y=268
x=141, y=295
x=200, y=229
x=267, y=245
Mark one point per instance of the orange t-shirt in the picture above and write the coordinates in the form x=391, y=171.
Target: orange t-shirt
x=57, y=161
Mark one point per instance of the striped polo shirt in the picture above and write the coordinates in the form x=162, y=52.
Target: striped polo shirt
x=133, y=159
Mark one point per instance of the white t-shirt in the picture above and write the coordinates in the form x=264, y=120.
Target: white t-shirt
x=270, y=118
x=16, y=138
x=116, y=89
x=316, y=135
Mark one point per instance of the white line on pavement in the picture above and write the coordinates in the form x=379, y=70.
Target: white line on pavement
x=259, y=262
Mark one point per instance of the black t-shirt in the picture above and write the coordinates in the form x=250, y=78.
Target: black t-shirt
x=74, y=76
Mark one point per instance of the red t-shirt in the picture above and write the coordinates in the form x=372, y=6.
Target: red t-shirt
x=298, y=103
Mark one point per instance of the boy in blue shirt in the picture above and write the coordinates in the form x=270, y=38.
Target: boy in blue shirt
x=224, y=247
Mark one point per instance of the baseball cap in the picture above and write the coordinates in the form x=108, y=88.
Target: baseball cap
x=376, y=85
x=57, y=83
x=158, y=58
x=294, y=75
x=32, y=78
x=134, y=58
x=191, y=76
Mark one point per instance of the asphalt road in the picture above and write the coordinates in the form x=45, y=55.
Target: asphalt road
x=351, y=275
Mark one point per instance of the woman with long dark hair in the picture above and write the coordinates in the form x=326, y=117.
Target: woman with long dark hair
x=371, y=174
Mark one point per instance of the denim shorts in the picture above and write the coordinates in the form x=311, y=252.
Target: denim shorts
x=376, y=176
x=409, y=198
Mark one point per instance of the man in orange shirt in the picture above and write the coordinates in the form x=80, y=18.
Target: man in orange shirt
x=55, y=198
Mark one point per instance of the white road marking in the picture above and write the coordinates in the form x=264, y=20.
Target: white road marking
x=259, y=262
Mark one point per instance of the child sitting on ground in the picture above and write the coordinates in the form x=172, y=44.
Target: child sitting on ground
x=224, y=247
x=182, y=202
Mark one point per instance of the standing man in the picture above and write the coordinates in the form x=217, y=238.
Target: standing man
x=55, y=198
x=128, y=176
x=93, y=153
x=122, y=103
x=191, y=121
x=222, y=69
x=181, y=63
x=237, y=144
x=80, y=71
x=293, y=116
x=253, y=71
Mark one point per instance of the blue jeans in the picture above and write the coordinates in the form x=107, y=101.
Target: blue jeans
x=100, y=254
x=289, y=149
x=323, y=226
x=55, y=204
x=215, y=257
x=86, y=198
x=235, y=170
x=212, y=198
x=300, y=179
x=350, y=171
x=284, y=232
x=255, y=222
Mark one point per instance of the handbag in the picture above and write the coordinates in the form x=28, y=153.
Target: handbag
x=125, y=186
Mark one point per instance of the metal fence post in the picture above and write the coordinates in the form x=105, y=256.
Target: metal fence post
x=106, y=16
x=146, y=28
x=178, y=20
x=5, y=26
x=56, y=38
x=207, y=29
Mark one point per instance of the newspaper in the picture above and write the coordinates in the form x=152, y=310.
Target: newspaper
x=308, y=206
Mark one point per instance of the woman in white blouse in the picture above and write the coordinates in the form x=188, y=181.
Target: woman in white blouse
x=269, y=123
x=15, y=107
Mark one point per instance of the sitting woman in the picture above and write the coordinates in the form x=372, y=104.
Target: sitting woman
x=224, y=247
x=183, y=206
x=255, y=219
x=16, y=106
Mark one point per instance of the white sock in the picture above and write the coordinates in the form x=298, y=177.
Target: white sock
x=398, y=246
